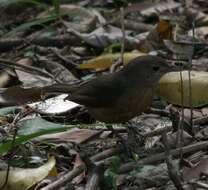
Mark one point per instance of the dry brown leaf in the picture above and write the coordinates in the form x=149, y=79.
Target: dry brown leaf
x=74, y=135
x=154, y=40
x=195, y=172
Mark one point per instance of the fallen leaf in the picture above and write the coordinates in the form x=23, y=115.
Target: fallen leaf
x=81, y=19
x=200, y=32
x=55, y=105
x=149, y=7
x=102, y=37
x=74, y=135
x=105, y=61
x=180, y=48
x=154, y=40
x=22, y=179
x=195, y=172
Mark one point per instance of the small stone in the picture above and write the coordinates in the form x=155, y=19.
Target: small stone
x=204, y=111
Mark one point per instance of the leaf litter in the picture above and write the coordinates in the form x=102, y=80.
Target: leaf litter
x=86, y=42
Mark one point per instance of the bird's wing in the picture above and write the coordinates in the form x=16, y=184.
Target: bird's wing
x=103, y=91
x=94, y=93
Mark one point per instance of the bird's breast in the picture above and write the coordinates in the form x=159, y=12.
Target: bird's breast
x=125, y=108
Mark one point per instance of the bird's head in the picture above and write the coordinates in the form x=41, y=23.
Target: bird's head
x=150, y=68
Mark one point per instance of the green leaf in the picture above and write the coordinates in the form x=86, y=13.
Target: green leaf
x=110, y=179
x=5, y=3
x=5, y=147
x=28, y=25
x=35, y=2
x=115, y=163
x=36, y=124
x=56, y=4
x=9, y=110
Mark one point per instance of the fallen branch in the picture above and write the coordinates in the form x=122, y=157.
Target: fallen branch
x=65, y=178
x=57, y=41
x=161, y=156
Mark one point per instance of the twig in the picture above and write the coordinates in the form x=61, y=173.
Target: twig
x=123, y=35
x=120, y=61
x=161, y=156
x=105, y=154
x=200, y=121
x=65, y=178
x=199, y=184
x=57, y=41
x=181, y=119
x=172, y=171
x=95, y=178
x=189, y=77
x=69, y=62
x=134, y=25
x=9, y=160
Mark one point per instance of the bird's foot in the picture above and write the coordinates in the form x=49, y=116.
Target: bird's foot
x=127, y=149
x=135, y=132
x=123, y=141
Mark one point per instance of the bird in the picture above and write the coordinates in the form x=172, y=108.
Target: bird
x=113, y=98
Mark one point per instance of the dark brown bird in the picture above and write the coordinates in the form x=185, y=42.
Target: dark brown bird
x=112, y=98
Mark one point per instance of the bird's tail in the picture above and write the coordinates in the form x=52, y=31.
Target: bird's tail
x=18, y=95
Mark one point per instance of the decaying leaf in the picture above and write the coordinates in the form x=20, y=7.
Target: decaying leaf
x=149, y=7
x=195, y=172
x=180, y=48
x=154, y=40
x=105, y=61
x=104, y=37
x=74, y=135
x=22, y=179
x=29, y=79
x=201, y=32
x=81, y=19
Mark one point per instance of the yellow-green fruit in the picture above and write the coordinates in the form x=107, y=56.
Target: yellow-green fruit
x=170, y=89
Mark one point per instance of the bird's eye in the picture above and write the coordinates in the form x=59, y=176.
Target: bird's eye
x=155, y=68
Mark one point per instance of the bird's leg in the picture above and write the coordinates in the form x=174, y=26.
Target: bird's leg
x=122, y=140
x=135, y=136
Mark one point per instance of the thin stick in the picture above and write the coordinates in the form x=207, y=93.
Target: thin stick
x=181, y=122
x=123, y=35
x=172, y=171
x=9, y=160
x=189, y=77
x=13, y=124
x=65, y=178
x=161, y=156
x=181, y=119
